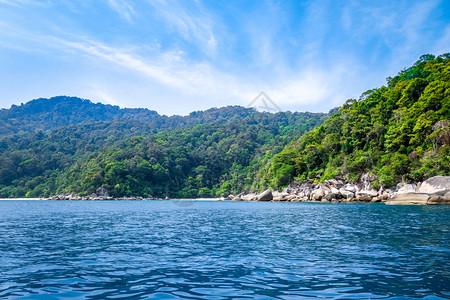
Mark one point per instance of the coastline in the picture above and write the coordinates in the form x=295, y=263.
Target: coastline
x=433, y=191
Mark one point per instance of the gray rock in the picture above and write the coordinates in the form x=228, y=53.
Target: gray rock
x=439, y=185
x=346, y=194
x=249, y=197
x=334, y=183
x=317, y=194
x=102, y=192
x=265, y=196
x=351, y=188
x=366, y=195
x=366, y=179
x=330, y=196
x=324, y=188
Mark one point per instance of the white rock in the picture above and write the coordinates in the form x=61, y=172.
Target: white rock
x=439, y=185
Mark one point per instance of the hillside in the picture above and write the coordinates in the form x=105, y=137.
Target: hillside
x=137, y=151
x=399, y=132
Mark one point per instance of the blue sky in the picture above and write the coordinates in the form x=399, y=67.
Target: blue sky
x=179, y=56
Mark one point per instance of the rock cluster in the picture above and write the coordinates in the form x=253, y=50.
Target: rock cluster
x=100, y=194
x=435, y=190
x=329, y=191
x=94, y=196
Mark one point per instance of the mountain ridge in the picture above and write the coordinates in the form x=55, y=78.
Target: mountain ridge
x=60, y=111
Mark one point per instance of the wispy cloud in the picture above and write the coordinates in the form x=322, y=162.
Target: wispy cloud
x=169, y=68
x=193, y=23
x=123, y=8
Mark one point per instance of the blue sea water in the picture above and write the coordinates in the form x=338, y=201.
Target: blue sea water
x=222, y=250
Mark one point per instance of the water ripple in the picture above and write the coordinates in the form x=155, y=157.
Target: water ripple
x=222, y=250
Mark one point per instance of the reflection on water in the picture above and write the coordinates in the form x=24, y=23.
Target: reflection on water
x=222, y=250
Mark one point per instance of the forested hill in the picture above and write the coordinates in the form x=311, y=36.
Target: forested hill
x=62, y=111
x=399, y=132
x=136, y=151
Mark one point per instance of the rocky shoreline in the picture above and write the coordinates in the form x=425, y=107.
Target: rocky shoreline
x=435, y=190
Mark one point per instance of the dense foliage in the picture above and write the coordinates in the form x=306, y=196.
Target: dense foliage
x=208, y=153
x=396, y=132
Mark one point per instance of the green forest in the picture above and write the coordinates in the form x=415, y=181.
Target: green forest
x=398, y=132
x=138, y=152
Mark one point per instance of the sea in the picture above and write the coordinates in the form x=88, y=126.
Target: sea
x=222, y=250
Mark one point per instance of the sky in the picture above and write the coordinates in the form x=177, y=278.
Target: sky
x=176, y=57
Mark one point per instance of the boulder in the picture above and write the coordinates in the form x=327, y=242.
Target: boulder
x=237, y=198
x=334, y=183
x=330, y=197
x=334, y=190
x=439, y=185
x=317, y=194
x=351, y=187
x=249, y=197
x=279, y=196
x=363, y=197
x=230, y=197
x=403, y=188
x=346, y=194
x=409, y=199
x=265, y=196
x=324, y=188
x=375, y=200
x=366, y=195
x=366, y=179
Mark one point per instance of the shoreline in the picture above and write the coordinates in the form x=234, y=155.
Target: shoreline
x=433, y=191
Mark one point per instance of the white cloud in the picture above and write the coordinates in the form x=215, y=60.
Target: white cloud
x=169, y=68
x=123, y=8
x=194, y=25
